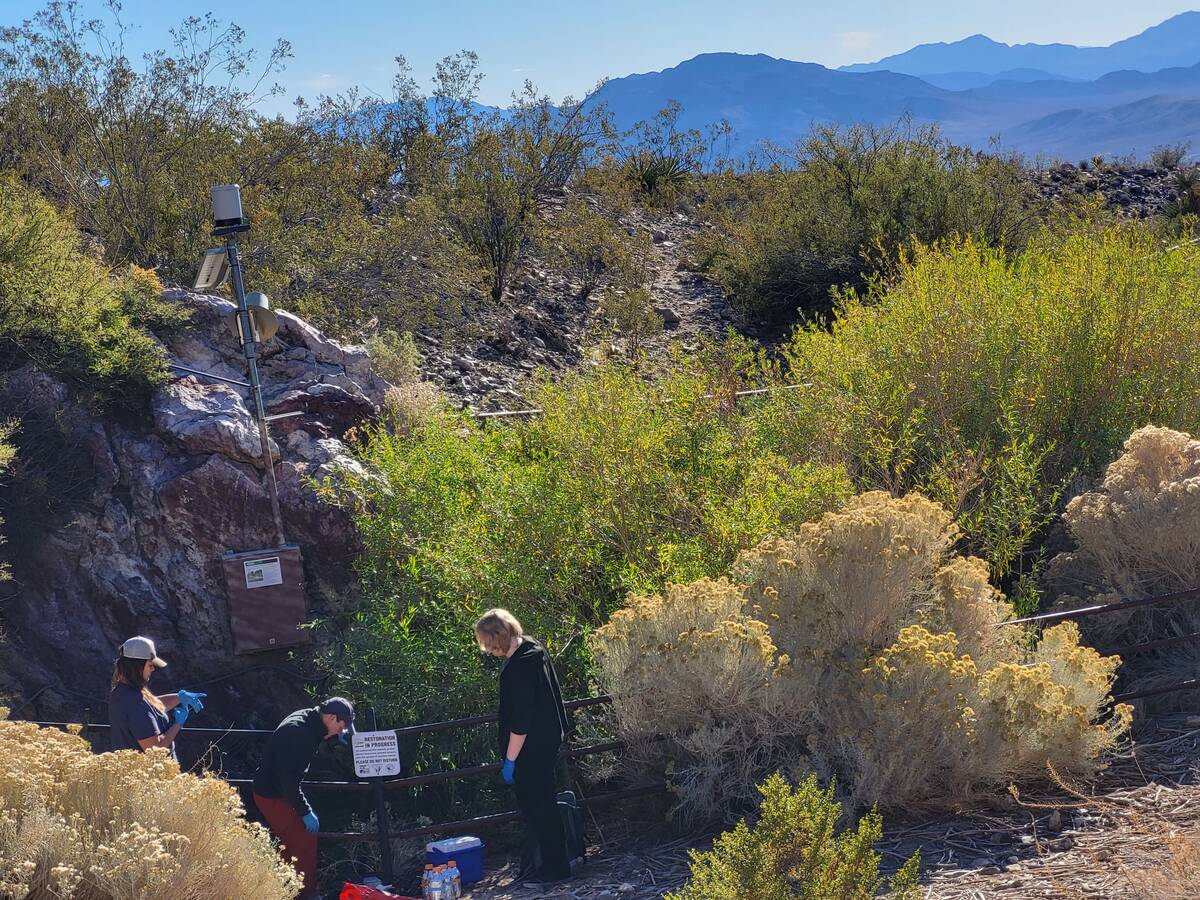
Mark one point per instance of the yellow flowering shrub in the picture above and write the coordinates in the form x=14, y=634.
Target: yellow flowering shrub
x=1137, y=535
x=700, y=690
x=123, y=826
x=862, y=649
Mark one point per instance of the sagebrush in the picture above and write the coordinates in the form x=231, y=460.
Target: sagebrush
x=861, y=633
x=123, y=826
x=1137, y=535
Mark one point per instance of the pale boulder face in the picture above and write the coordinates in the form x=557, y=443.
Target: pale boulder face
x=207, y=418
x=166, y=496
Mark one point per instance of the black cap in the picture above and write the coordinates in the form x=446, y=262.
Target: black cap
x=342, y=708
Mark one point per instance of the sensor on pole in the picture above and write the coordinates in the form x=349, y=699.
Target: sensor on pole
x=253, y=320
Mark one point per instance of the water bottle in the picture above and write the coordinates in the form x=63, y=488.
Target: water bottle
x=426, y=881
x=455, y=878
x=438, y=885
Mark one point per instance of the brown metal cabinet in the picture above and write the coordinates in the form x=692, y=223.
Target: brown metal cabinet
x=266, y=598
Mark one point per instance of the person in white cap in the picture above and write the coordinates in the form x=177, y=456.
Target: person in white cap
x=139, y=719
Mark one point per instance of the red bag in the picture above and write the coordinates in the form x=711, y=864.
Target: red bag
x=362, y=892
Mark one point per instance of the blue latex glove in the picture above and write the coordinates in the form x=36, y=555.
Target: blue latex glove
x=181, y=715
x=191, y=700
x=311, y=823
x=344, y=737
x=508, y=771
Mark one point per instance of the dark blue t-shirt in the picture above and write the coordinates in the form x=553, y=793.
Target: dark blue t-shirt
x=133, y=719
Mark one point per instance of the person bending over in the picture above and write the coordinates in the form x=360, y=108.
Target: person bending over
x=285, y=759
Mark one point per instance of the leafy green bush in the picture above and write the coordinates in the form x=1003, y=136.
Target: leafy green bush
x=843, y=206
x=129, y=150
x=987, y=381
x=612, y=489
x=395, y=356
x=632, y=313
x=589, y=246
x=66, y=312
x=794, y=851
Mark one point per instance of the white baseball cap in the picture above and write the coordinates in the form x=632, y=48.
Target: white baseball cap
x=142, y=648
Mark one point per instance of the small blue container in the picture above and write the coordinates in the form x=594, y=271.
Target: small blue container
x=466, y=851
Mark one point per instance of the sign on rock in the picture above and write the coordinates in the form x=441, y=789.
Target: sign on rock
x=376, y=754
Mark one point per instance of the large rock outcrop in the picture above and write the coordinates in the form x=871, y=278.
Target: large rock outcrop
x=164, y=497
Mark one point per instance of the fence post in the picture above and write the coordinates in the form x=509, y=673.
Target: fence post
x=381, y=817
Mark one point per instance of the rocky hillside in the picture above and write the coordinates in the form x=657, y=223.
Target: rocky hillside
x=162, y=500
x=1137, y=191
x=544, y=323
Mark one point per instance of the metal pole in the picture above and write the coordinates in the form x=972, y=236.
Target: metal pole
x=246, y=330
x=381, y=817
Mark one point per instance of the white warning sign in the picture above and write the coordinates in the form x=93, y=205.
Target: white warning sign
x=262, y=572
x=376, y=753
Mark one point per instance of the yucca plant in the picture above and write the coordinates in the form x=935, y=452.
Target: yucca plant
x=1187, y=185
x=654, y=172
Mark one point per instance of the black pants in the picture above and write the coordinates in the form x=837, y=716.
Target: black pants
x=536, y=800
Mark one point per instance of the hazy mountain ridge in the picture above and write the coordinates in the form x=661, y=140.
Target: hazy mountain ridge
x=991, y=97
x=1174, y=42
x=1032, y=109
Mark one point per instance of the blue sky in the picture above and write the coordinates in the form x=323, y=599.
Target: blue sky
x=566, y=46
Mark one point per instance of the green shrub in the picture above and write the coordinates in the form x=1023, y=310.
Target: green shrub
x=66, y=312
x=844, y=205
x=395, y=356
x=129, y=150
x=795, y=850
x=612, y=489
x=987, y=381
x=633, y=315
x=590, y=247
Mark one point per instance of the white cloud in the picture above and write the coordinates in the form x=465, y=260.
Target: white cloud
x=857, y=40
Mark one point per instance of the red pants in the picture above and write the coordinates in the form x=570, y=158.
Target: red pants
x=296, y=840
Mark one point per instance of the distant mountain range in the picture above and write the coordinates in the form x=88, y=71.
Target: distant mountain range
x=1173, y=43
x=1041, y=99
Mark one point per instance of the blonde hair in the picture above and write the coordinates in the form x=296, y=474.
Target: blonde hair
x=496, y=629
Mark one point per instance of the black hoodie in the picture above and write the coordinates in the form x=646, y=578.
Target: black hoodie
x=287, y=755
x=530, y=701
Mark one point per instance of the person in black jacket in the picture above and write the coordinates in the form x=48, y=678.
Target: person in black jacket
x=285, y=759
x=533, y=726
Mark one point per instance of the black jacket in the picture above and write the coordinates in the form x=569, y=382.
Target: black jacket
x=287, y=755
x=530, y=701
